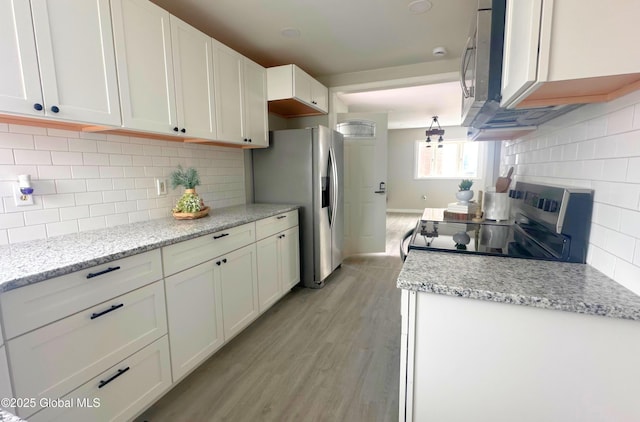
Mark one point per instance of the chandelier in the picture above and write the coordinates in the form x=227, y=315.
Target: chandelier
x=434, y=132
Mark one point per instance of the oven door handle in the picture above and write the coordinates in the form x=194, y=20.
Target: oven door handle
x=406, y=236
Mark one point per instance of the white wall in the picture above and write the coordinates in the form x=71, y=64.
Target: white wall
x=86, y=181
x=596, y=146
x=405, y=192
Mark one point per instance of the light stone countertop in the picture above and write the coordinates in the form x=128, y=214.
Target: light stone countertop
x=26, y=263
x=9, y=417
x=562, y=286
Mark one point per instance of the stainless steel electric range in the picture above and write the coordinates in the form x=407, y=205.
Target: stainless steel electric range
x=548, y=223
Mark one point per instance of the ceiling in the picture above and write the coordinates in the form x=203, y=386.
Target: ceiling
x=338, y=37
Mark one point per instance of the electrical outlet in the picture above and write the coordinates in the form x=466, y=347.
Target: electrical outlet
x=161, y=187
x=21, y=199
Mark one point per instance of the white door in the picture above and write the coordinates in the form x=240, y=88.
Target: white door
x=193, y=70
x=142, y=35
x=365, y=178
x=19, y=77
x=77, y=60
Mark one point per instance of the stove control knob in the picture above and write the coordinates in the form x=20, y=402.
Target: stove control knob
x=540, y=203
x=546, y=205
x=518, y=194
x=512, y=193
x=553, y=206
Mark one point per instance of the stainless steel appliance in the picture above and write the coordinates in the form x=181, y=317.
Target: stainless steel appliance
x=305, y=166
x=481, y=79
x=550, y=223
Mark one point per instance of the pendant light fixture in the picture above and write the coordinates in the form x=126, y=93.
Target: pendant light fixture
x=434, y=132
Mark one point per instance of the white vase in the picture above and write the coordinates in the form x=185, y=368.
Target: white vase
x=464, y=196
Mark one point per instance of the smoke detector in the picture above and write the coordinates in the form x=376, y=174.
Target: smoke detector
x=439, y=51
x=419, y=6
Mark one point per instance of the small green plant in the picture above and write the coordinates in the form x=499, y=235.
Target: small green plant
x=465, y=184
x=188, y=178
x=189, y=202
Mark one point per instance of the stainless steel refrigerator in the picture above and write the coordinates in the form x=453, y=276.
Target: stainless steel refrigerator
x=305, y=166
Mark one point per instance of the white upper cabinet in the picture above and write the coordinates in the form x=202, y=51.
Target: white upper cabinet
x=77, y=76
x=228, y=68
x=292, y=92
x=255, y=102
x=193, y=71
x=20, y=80
x=569, y=52
x=145, y=68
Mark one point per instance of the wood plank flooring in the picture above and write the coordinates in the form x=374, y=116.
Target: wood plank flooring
x=317, y=355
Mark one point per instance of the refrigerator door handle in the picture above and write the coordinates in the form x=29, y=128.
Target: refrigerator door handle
x=334, y=187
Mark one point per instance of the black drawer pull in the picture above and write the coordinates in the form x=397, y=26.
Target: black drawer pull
x=281, y=217
x=111, y=309
x=222, y=235
x=224, y=261
x=120, y=372
x=108, y=270
x=218, y=263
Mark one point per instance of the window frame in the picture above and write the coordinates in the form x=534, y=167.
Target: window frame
x=482, y=151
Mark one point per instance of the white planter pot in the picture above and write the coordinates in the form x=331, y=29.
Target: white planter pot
x=464, y=196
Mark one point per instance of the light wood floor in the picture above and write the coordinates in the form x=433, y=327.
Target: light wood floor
x=317, y=355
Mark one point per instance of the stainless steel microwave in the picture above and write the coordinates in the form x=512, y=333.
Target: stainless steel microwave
x=481, y=79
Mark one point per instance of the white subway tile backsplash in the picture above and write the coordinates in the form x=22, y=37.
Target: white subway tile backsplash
x=47, y=143
x=607, y=215
x=633, y=171
x=94, y=223
x=628, y=144
x=601, y=260
x=59, y=200
x=615, y=170
x=620, y=121
x=628, y=275
x=66, y=158
x=620, y=245
x=636, y=257
x=85, y=181
x=24, y=234
x=630, y=223
x=26, y=156
x=16, y=140
x=6, y=156
x=41, y=217
x=61, y=228
x=54, y=172
x=596, y=128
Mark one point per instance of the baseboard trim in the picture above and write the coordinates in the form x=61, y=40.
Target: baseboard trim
x=404, y=211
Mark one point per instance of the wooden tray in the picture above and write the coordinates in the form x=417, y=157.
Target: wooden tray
x=191, y=215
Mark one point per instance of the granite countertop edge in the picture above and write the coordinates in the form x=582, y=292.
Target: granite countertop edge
x=6, y=416
x=244, y=215
x=576, y=288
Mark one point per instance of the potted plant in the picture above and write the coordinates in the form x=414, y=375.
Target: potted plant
x=190, y=205
x=465, y=193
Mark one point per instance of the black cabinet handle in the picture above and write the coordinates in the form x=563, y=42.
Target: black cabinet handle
x=38, y=106
x=183, y=130
x=55, y=109
x=284, y=235
x=281, y=217
x=219, y=236
x=313, y=102
x=218, y=262
x=107, y=381
x=111, y=309
x=246, y=140
x=175, y=129
x=108, y=270
x=224, y=261
x=250, y=140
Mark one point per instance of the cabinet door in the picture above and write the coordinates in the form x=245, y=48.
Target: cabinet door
x=194, y=310
x=19, y=77
x=319, y=96
x=142, y=37
x=193, y=71
x=290, y=259
x=5, y=382
x=228, y=68
x=301, y=85
x=239, y=282
x=269, y=280
x=520, y=59
x=77, y=60
x=255, y=97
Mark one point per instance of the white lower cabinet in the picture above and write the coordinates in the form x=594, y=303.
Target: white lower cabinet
x=194, y=308
x=5, y=382
x=239, y=282
x=53, y=360
x=120, y=392
x=278, y=266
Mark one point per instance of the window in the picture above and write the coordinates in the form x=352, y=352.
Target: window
x=454, y=159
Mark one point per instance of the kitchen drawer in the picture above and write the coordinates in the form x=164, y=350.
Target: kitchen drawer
x=272, y=225
x=189, y=253
x=33, y=306
x=135, y=383
x=55, y=359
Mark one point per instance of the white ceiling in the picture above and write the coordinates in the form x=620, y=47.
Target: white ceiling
x=343, y=36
